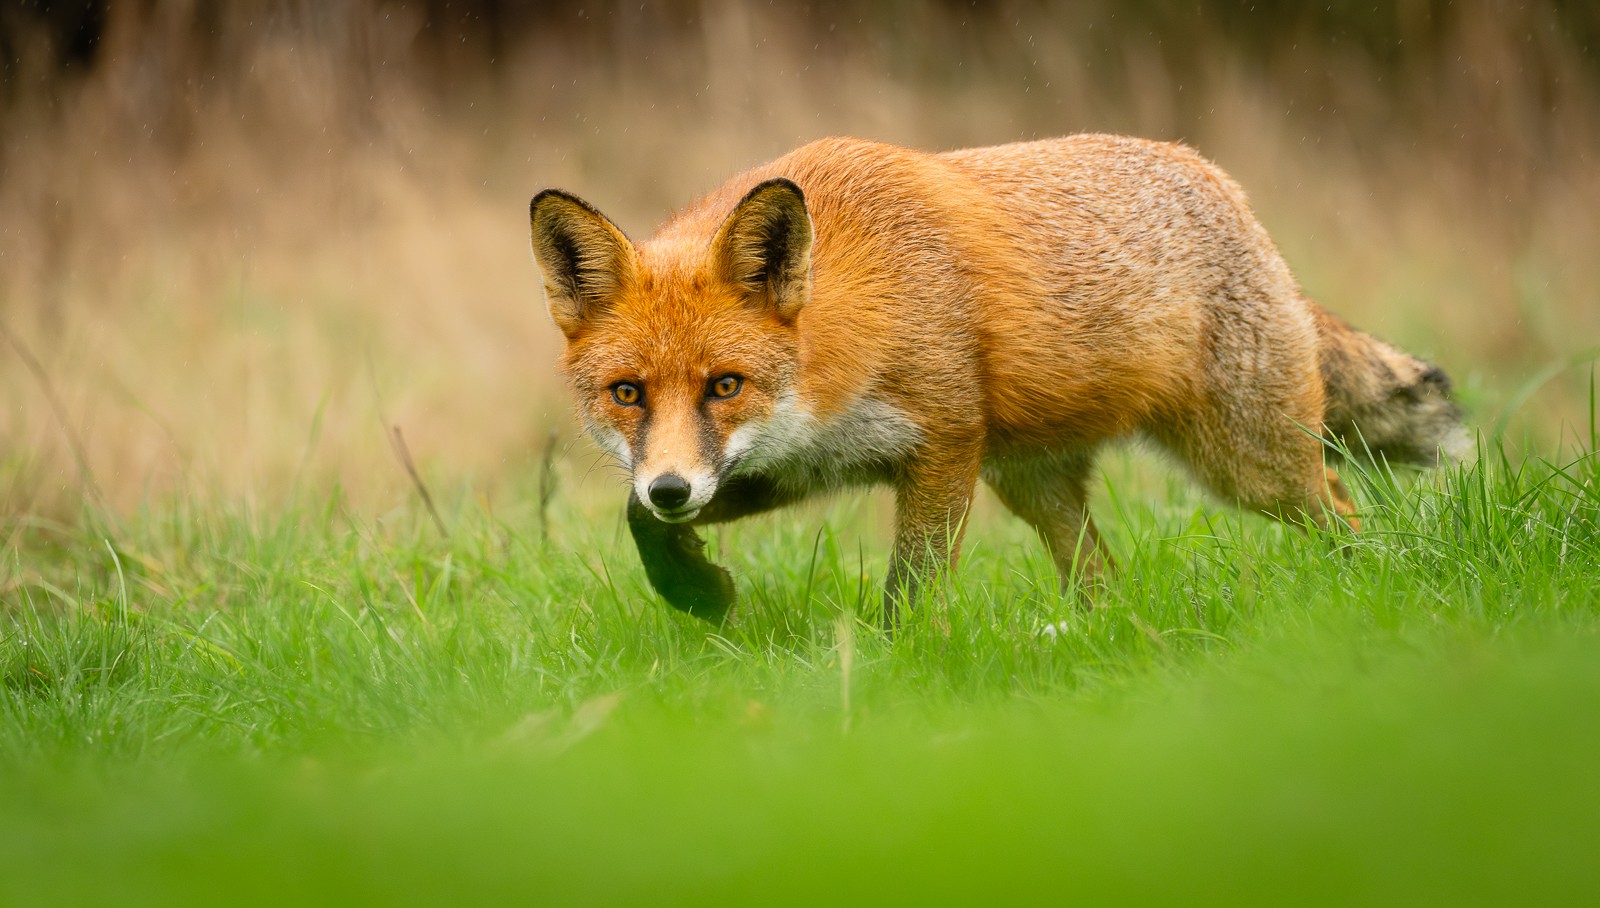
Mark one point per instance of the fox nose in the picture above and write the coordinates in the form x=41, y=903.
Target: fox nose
x=669, y=492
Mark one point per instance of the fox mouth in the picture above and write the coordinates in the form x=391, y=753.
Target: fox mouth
x=681, y=515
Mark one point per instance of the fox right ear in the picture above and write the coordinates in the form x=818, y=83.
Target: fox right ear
x=586, y=260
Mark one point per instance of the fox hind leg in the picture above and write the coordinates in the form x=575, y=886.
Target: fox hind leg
x=1336, y=498
x=1262, y=457
x=1052, y=495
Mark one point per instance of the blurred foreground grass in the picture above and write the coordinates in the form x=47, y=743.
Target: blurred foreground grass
x=210, y=705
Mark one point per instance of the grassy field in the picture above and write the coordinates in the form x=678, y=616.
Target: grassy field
x=203, y=705
x=243, y=244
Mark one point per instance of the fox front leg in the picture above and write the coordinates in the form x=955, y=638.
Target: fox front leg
x=931, y=502
x=675, y=561
x=674, y=557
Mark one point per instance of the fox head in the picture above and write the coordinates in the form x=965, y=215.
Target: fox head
x=682, y=352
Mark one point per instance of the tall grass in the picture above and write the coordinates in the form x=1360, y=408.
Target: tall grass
x=324, y=708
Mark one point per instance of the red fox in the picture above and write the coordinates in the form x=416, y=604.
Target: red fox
x=856, y=313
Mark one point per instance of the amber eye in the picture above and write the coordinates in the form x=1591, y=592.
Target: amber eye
x=726, y=386
x=626, y=393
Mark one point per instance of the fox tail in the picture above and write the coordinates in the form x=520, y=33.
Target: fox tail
x=1385, y=403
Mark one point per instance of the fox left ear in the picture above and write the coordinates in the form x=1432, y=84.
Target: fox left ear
x=765, y=246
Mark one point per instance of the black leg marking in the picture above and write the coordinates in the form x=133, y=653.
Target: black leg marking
x=674, y=560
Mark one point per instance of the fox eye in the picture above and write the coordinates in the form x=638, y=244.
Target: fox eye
x=726, y=386
x=626, y=393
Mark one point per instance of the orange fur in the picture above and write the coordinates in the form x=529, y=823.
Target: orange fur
x=921, y=320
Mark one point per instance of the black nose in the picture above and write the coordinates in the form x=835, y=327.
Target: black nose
x=669, y=492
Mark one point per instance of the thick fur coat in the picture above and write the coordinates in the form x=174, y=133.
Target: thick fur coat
x=858, y=313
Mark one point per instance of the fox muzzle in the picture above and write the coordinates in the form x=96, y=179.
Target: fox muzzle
x=672, y=498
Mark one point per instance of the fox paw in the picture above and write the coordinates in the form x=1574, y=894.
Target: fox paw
x=702, y=589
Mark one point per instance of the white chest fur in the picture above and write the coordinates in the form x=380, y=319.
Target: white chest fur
x=804, y=454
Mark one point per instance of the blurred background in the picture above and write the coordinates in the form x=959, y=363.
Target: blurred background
x=238, y=240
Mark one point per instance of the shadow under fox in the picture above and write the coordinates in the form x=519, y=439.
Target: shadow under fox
x=857, y=313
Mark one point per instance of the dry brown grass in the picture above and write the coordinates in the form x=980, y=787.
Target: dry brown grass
x=231, y=255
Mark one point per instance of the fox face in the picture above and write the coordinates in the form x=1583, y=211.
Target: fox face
x=683, y=365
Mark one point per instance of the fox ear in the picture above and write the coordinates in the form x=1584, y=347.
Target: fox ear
x=586, y=260
x=765, y=246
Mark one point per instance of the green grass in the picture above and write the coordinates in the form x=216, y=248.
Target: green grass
x=208, y=706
